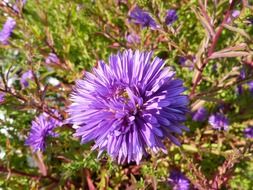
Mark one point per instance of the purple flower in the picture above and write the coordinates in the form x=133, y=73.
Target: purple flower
x=2, y=97
x=219, y=121
x=178, y=181
x=200, y=115
x=250, y=20
x=25, y=77
x=248, y=132
x=133, y=38
x=239, y=89
x=171, y=17
x=6, y=31
x=143, y=18
x=235, y=14
x=42, y=127
x=182, y=60
x=250, y=85
x=19, y=4
x=52, y=59
x=129, y=106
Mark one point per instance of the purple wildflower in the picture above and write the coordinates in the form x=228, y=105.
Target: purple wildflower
x=2, y=97
x=129, y=106
x=250, y=85
x=18, y=5
x=171, y=17
x=133, y=38
x=178, y=181
x=248, y=132
x=25, y=77
x=200, y=115
x=250, y=20
x=42, y=127
x=185, y=62
x=52, y=59
x=6, y=31
x=235, y=14
x=219, y=121
x=182, y=60
x=239, y=89
x=143, y=18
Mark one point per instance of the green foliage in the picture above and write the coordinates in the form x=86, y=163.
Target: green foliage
x=81, y=32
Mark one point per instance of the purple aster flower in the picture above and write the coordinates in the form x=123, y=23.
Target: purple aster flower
x=6, y=31
x=133, y=38
x=200, y=115
x=219, y=121
x=171, y=17
x=178, y=181
x=129, y=106
x=52, y=59
x=42, y=127
x=2, y=97
x=25, y=77
x=248, y=132
x=143, y=18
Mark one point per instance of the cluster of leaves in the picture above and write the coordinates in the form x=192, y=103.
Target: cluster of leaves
x=81, y=32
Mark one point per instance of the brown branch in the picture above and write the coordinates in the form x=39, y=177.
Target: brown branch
x=21, y=173
x=212, y=48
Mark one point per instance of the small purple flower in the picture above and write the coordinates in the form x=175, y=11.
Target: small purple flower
x=2, y=97
x=129, y=106
x=239, y=89
x=19, y=4
x=6, y=31
x=200, y=115
x=248, y=132
x=250, y=85
x=250, y=20
x=143, y=18
x=171, y=17
x=42, y=127
x=182, y=60
x=52, y=59
x=219, y=121
x=185, y=62
x=178, y=181
x=25, y=78
x=235, y=14
x=133, y=38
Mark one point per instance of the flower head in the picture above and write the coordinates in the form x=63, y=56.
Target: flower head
x=52, y=59
x=235, y=14
x=248, y=132
x=6, y=31
x=143, y=18
x=129, y=106
x=250, y=85
x=42, y=127
x=200, y=115
x=171, y=17
x=133, y=38
x=28, y=75
x=219, y=121
x=2, y=97
x=178, y=181
x=18, y=5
